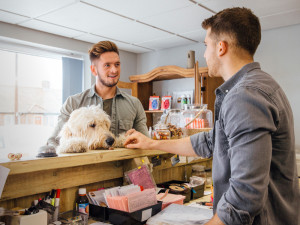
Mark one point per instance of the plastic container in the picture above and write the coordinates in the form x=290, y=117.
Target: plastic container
x=199, y=171
x=197, y=117
x=161, y=132
x=82, y=202
x=208, y=174
x=174, y=117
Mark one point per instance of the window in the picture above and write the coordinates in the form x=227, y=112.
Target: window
x=31, y=97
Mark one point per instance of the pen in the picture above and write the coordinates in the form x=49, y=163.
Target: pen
x=52, y=196
x=57, y=197
x=205, y=203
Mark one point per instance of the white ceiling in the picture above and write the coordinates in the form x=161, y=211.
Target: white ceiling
x=138, y=25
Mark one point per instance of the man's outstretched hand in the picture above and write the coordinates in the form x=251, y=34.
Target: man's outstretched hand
x=136, y=139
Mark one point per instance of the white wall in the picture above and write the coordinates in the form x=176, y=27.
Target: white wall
x=13, y=36
x=278, y=55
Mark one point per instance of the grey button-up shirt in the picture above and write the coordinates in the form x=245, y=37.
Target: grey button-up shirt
x=127, y=112
x=253, y=147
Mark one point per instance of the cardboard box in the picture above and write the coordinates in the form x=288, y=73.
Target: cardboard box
x=118, y=217
x=39, y=218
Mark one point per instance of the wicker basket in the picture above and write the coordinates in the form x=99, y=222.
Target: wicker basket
x=189, y=132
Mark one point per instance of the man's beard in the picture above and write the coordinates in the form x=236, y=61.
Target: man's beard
x=106, y=83
x=213, y=69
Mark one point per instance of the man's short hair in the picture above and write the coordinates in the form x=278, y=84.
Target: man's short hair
x=238, y=23
x=103, y=46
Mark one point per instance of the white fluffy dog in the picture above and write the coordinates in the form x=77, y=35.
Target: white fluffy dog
x=88, y=128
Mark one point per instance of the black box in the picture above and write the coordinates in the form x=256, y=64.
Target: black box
x=118, y=217
x=186, y=193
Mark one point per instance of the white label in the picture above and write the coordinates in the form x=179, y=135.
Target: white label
x=146, y=214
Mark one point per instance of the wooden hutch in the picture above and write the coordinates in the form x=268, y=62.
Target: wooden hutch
x=204, y=85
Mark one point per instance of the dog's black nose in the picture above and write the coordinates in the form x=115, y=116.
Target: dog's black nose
x=110, y=141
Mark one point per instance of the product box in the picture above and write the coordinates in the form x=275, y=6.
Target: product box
x=125, y=218
x=182, y=189
x=166, y=102
x=39, y=218
x=154, y=103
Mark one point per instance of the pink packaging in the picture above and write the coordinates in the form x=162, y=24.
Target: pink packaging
x=169, y=199
x=166, y=102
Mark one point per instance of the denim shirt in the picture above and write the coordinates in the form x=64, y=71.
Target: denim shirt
x=127, y=112
x=253, y=147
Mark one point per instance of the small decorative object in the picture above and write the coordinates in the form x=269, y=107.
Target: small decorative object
x=191, y=59
x=166, y=102
x=13, y=156
x=154, y=103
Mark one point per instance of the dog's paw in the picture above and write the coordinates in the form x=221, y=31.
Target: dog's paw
x=120, y=140
x=73, y=145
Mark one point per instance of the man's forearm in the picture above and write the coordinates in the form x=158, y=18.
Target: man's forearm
x=179, y=146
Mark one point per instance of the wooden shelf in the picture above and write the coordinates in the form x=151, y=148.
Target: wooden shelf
x=154, y=111
x=167, y=73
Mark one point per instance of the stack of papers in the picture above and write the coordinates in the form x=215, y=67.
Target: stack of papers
x=181, y=215
x=128, y=198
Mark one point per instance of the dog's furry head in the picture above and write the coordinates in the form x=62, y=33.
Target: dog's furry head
x=87, y=127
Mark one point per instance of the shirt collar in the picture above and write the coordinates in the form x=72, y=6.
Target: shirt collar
x=93, y=92
x=229, y=84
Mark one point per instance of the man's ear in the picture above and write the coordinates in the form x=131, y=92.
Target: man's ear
x=222, y=48
x=93, y=70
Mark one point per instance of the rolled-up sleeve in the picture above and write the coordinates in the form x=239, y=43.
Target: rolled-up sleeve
x=140, y=121
x=202, y=144
x=248, y=124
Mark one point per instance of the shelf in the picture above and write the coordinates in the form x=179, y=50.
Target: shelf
x=154, y=111
x=167, y=73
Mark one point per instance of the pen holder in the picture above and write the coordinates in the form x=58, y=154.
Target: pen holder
x=55, y=215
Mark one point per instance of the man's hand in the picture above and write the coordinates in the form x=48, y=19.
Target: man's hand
x=215, y=220
x=179, y=146
x=136, y=139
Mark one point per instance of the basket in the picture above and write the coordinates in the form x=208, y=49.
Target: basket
x=189, y=132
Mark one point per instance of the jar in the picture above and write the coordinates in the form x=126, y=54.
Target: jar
x=199, y=171
x=174, y=117
x=198, y=116
x=208, y=173
x=160, y=132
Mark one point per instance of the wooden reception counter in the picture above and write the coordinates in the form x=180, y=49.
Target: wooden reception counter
x=34, y=178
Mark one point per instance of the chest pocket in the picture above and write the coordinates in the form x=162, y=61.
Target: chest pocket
x=125, y=125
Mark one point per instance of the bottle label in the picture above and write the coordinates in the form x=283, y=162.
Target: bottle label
x=83, y=208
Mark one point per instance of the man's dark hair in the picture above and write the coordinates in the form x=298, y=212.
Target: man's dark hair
x=238, y=23
x=103, y=46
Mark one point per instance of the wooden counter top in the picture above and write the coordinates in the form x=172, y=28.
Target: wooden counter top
x=75, y=159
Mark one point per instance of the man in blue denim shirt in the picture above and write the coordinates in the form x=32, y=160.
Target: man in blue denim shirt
x=252, y=143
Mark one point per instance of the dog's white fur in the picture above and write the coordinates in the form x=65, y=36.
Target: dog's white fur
x=88, y=128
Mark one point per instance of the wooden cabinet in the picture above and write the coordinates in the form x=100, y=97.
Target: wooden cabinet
x=204, y=85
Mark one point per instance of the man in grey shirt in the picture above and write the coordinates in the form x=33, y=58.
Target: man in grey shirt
x=125, y=111
x=252, y=142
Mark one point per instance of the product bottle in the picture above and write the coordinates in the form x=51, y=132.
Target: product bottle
x=183, y=101
x=82, y=202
